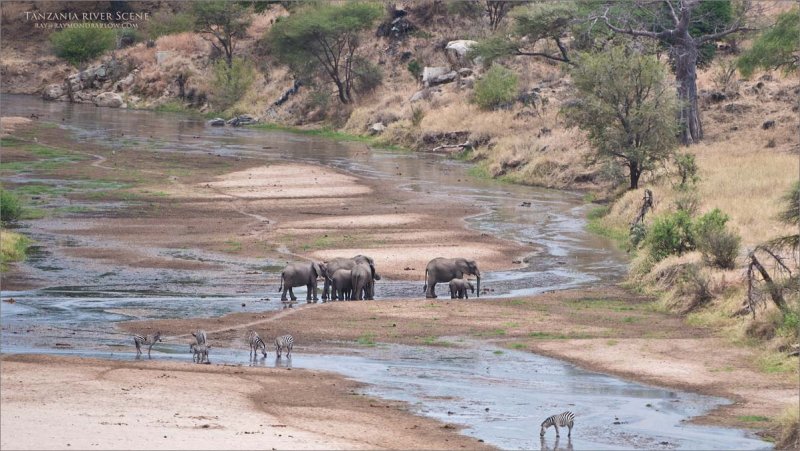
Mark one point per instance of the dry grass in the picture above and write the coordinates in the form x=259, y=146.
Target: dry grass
x=183, y=43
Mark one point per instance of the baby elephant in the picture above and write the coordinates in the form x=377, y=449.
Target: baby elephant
x=458, y=288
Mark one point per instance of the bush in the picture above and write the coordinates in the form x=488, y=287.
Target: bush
x=671, y=234
x=416, y=70
x=230, y=83
x=719, y=245
x=78, y=45
x=368, y=76
x=10, y=206
x=687, y=170
x=165, y=24
x=496, y=88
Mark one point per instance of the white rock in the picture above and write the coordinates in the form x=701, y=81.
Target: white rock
x=377, y=128
x=457, y=51
x=109, y=99
x=53, y=92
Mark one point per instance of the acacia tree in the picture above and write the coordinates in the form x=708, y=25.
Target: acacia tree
x=627, y=108
x=684, y=26
x=222, y=23
x=496, y=10
x=776, y=48
x=325, y=36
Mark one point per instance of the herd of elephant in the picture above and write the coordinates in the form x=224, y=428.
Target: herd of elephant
x=354, y=278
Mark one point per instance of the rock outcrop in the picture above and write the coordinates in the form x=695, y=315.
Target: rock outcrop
x=109, y=99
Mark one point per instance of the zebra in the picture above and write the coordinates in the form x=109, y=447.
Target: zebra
x=200, y=336
x=564, y=419
x=148, y=340
x=285, y=341
x=255, y=343
x=200, y=353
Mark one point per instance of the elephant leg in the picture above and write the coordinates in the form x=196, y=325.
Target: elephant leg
x=283, y=296
x=308, y=294
x=431, y=293
x=291, y=294
x=325, y=289
x=315, y=298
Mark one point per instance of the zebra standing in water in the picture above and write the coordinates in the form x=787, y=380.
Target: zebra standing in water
x=255, y=343
x=148, y=340
x=285, y=341
x=200, y=336
x=564, y=419
x=200, y=353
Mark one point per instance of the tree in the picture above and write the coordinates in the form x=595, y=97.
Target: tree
x=532, y=24
x=775, y=48
x=497, y=10
x=627, y=108
x=685, y=27
x=221, y=23
x=78, y=45
x=325, y=37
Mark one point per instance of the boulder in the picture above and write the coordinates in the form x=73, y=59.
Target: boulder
x=377, y=128
x=243, y=119
x=457, y=51
x=108, y=99
x=217, y=122
x=53, y=92
x=432, y=76
x=424, y=94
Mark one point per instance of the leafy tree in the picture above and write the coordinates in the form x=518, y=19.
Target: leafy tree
x=775, y=48
x=685, y=27
x=533, y=24
x=230, y=82
x=78, y=45
x=627, y=107
x=221, y=23
x=325, y=37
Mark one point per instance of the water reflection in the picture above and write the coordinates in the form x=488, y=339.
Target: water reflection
x=557, y=444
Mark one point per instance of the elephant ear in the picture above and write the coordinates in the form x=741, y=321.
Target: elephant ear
x=315, y=268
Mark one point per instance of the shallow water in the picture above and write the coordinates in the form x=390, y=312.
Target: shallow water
x=76, y=313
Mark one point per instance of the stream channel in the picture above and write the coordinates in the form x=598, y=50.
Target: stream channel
x=499, y=396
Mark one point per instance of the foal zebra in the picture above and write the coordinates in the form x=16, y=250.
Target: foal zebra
x=285, y=341
x=255, y=343
x=148, y=340
x=563, y=419
x=200, y=353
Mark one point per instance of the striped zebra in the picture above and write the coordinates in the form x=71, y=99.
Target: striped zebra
x=285, y=341
x=200, y=353
x=255, y=343
x=200, y=336
x=563, y=419
x=148, y=340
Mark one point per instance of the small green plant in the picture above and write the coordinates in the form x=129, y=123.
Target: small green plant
x=10, y=206
x=80, y=44
x=497, y=87
x=753, y=418
x=366, y=340
x=671, y=234
x=687, y=170
x=12, y=247
x=719, y=245
x=230, y=83
x=415, y=68
x=417, y=115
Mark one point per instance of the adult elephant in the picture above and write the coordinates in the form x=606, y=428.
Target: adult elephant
x=297, y=275
x=363, y=284
x=446, y=269
x=336, y=264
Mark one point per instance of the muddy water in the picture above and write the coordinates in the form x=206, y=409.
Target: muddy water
x=76, y=312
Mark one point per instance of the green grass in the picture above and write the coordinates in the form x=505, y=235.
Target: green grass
x=630, y=319
x=12, y=248
x=366, y=340
x=620, y=237
x=597, y=212
x=777, y=363
x=435, y=341
x=547, y=336
x=498, y=352
x=518, y=346
x=233, y=246
x=752, y=418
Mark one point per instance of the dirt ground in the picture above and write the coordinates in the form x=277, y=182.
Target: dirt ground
x=100, y=404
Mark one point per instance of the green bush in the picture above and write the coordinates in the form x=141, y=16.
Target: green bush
x=497, y=87
x=78, y=45
x=230, y=83
x=719, y=245
x=416, y=69
x=671, y=234
x=10, y=206
x=166, y=24
x=368, y=76
x=687, y=169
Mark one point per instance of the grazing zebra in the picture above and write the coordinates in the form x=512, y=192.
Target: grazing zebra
x=564, y=419
x=148, y=340
x=200, y=336
x=200, y=353
x=255, y=343
x=285, y=341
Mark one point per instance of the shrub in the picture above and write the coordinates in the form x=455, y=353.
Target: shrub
x=416, y=69
x=368, y=76
x=687, y=169
x=230, y=83
x=417, y=115
x=166, y=24
x=498, y=86
x=719, y=245
x=694, y=286
x=671, y=234
x=78, y=45
x=10, y=206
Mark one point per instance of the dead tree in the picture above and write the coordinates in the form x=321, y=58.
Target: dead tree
x=647, y=205
x=497, y=10
x=775, y=290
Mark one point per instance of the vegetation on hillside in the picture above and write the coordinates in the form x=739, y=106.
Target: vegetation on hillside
x=80, y=44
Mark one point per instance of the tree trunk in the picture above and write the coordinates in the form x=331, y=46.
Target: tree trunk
x=684, y=54
x=342, y=93
x=635, y=171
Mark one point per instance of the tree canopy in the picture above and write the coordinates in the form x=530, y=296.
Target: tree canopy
x=324, y=37
x=776, y=48
x=627, y=107
x=224, y=21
